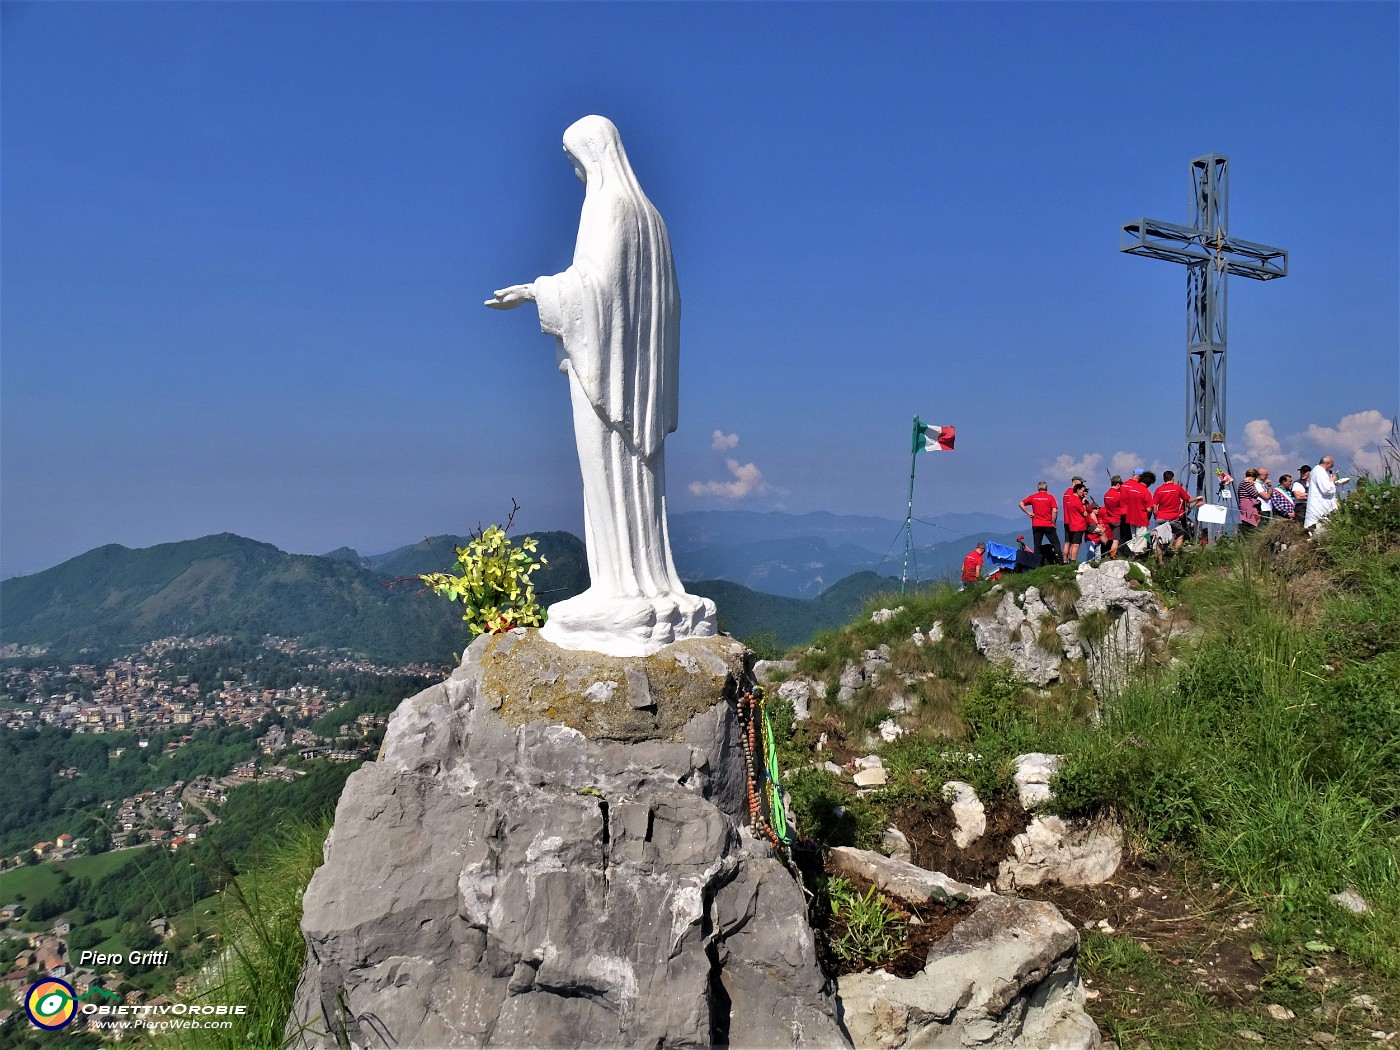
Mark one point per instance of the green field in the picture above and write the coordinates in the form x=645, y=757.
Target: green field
x=30, y=883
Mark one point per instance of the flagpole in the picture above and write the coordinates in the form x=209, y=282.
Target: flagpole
x=909, y=514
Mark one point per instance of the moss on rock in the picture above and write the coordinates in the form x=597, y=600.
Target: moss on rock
x=525, y=677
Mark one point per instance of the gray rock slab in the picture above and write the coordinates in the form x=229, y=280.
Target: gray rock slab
x=899, y=877
x=1012, y=635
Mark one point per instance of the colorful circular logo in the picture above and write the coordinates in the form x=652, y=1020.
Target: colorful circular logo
x=50, y=1004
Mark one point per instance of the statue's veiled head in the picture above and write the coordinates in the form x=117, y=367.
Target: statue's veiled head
x=593, y=144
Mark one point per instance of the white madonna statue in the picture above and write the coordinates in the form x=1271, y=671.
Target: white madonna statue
x=616, y=315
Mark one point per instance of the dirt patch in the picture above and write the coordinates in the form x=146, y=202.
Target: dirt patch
x=1185, y=925
x=1160, y=943
x=922, y=925
x=930, y=828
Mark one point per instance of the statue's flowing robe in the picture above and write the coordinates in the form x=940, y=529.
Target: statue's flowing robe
x=616, y=315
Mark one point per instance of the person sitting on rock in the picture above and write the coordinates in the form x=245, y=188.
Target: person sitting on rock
x=972, y=566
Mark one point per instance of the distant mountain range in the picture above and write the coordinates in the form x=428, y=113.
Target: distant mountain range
x=785, y=576
x=114, y=598
x=801, y=555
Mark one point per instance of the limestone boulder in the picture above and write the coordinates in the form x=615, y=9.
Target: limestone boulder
x=1054, y=850
x=1013, y=635
x=550, y=852
x=1004, y=977
x=1032, y=776
x=969, y=815
x=799, y=692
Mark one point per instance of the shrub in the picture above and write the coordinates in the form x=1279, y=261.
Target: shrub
x=494, y=583
x=995, y=713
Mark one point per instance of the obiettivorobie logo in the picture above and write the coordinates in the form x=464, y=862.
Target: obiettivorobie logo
x=51, y=1004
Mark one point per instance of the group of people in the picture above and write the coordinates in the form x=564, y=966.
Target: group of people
x=1309, y=498
x=1119, y=524
x=1122, y=523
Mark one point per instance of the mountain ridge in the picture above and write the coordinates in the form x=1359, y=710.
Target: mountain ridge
x=115, y=596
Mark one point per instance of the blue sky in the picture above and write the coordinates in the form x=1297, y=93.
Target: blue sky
x=245, y=248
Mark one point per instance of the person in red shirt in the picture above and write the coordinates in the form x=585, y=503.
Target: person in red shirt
x=972, y=566
x=1112, y=514
x=1137, y=499
x=1076, y=518
x=1042, y=509
x=1170, y=503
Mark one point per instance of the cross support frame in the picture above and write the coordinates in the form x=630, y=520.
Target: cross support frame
x=1209, y=254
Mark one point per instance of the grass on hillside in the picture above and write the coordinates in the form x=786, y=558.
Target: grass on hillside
x=263, y=949
x=1261, y=759
x=1262, y=750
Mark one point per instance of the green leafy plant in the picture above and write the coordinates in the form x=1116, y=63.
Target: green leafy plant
x=493, y=582
x=939, y=895
x=874, y=931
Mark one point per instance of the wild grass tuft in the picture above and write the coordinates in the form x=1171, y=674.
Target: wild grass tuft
x=263, y=949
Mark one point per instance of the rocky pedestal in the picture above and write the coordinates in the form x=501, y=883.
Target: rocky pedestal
x=549, y=852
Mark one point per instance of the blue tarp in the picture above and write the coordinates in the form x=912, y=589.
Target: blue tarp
x=1000, y=556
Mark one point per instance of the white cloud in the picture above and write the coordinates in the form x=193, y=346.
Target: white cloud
x=1066, y=467
x=1356, y=440
x=1262, y=448
x=723, y=442
x=748, y=481
x=1124, y=463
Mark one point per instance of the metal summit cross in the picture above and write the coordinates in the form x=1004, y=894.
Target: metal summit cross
x=1209, y=253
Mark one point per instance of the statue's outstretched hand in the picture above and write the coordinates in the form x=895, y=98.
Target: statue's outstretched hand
x=510, y=298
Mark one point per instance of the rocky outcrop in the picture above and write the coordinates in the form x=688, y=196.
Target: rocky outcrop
x=1026, y=630
x=1113, y=653
x=1013, y=635
x=549, y=852
x=1004, y=977
x=799, y=692
x=855, y=676
x=1052, y=849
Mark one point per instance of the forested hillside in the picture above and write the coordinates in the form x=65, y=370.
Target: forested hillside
x=113, y=598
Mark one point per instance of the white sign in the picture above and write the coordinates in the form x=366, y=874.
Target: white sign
x=1211, y=514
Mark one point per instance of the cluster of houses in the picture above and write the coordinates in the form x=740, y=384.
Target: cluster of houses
x=62, y=847
x=138, y=692
x=128, y=699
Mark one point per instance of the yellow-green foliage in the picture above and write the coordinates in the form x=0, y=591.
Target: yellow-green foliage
x=493, y=583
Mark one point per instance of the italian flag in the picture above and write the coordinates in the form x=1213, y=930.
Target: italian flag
x=929, y=438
